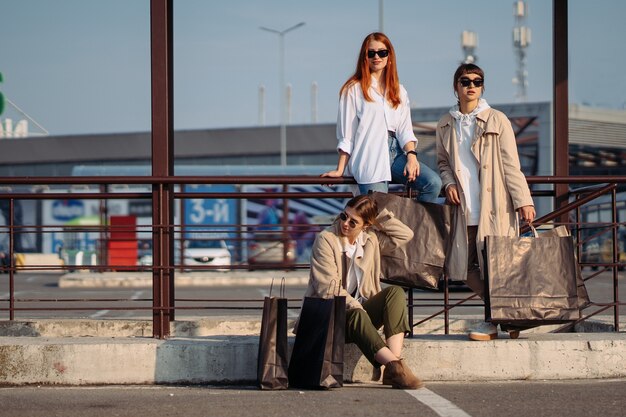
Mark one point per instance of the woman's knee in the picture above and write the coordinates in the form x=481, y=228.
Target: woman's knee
x=356, y=318
x=395, y=294
x=432, y=183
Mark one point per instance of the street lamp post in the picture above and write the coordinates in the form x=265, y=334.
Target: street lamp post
x=283, y=127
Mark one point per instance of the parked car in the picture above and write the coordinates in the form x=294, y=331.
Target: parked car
x=206, y=253
x=144, y=253
x=601, y=252
x=267, y=249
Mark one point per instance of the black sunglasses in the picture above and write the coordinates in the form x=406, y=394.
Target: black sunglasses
x=383, y=53
x=343, y=216
x=465, y=82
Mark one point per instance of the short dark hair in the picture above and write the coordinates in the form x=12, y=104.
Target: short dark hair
x=464, y=69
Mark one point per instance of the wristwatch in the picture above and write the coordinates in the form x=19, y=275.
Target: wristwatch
x=411, y=152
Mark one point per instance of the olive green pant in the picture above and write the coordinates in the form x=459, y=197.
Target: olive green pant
x=388, y=309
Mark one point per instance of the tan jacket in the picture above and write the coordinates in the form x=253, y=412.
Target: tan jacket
x=327, y=258
x=503, y=187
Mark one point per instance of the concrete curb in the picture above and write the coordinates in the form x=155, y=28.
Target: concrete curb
x=194, y=357
x=82, y=279
x=232, y=359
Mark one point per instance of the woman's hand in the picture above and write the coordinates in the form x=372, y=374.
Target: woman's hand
x=412, y=168
x=452, y=194
x=527, y=213
x=332, y=174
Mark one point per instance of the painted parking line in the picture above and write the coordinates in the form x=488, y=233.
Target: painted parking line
x=438, y=404
x=99, y=313
x=136, y=295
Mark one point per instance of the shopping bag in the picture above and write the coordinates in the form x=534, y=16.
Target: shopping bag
x=317, y=354
x=420, y=263
x=272, y=362
x=530, y=280
x=583, y=296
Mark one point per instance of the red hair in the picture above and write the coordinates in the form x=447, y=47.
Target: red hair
x=362, y=73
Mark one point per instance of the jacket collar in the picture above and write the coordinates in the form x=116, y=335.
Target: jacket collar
x=336, y=229
x=483, y=116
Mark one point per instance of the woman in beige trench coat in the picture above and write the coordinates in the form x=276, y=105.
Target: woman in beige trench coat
x=480, y=171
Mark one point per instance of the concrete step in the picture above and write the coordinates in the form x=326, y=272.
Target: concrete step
x=232, y=359
x=229, y=355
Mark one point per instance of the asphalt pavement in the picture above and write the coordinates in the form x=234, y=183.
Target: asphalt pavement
x=580, y=398
x=207, y=294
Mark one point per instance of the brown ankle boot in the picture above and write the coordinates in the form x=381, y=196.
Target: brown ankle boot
x=398, y=375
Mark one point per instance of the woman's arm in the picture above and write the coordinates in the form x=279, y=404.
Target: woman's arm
x=341, y=166
x=513, y=176
x=443, y=159
x=347, y=124
x=391, y=232
x=407, y=138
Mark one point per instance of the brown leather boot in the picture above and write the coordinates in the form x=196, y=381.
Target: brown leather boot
x=398, y=375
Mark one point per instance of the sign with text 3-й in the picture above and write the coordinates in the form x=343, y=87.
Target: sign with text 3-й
x=203, y=216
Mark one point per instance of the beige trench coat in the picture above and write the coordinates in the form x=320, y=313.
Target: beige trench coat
x=503, y=187
x=327, y=259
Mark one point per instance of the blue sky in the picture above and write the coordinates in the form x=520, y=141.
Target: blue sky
x=83, y=66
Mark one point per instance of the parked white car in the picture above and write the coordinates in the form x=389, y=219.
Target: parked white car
x=268, y=250
x=206, y=253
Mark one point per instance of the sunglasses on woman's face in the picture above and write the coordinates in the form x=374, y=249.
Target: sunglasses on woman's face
x=465, y=82
x=351, y=222
x=383, y=53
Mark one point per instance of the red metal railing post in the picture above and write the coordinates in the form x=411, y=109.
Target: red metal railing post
x=615, y=260
x=161, y=42
x=103, y=253
x=11, y=222
x=285, y=223
x=560, y=103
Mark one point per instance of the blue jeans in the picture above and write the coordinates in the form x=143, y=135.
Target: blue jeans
x=427, y=185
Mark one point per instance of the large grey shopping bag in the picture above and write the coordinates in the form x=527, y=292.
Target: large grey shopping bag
x=531, y=280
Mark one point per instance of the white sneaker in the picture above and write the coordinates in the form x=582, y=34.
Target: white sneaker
x=484, y=331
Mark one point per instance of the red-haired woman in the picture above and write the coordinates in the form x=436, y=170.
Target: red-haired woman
x=376, y=139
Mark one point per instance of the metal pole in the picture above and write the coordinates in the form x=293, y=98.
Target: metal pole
x=11, y=255
x=615, y=260
x=162, y=68
x=380, y=16
x=282, y=92
x=281, y=87
x=560, y=100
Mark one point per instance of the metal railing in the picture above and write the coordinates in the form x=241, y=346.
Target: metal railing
x=164, y=235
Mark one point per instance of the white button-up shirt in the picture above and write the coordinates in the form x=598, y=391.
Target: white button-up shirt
x=469, y=177
x=362, y=128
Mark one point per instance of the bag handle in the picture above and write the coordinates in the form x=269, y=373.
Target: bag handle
x=408, y=190
x=331, y=290
x=532, y=228
x=344, y=270
x=282, y=288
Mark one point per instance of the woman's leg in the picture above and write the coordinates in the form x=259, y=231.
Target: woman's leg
x=427, y=185
x=380, y=187
x=388, y=309
x=395, y=343
x=474, y=278
x=361, y=331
